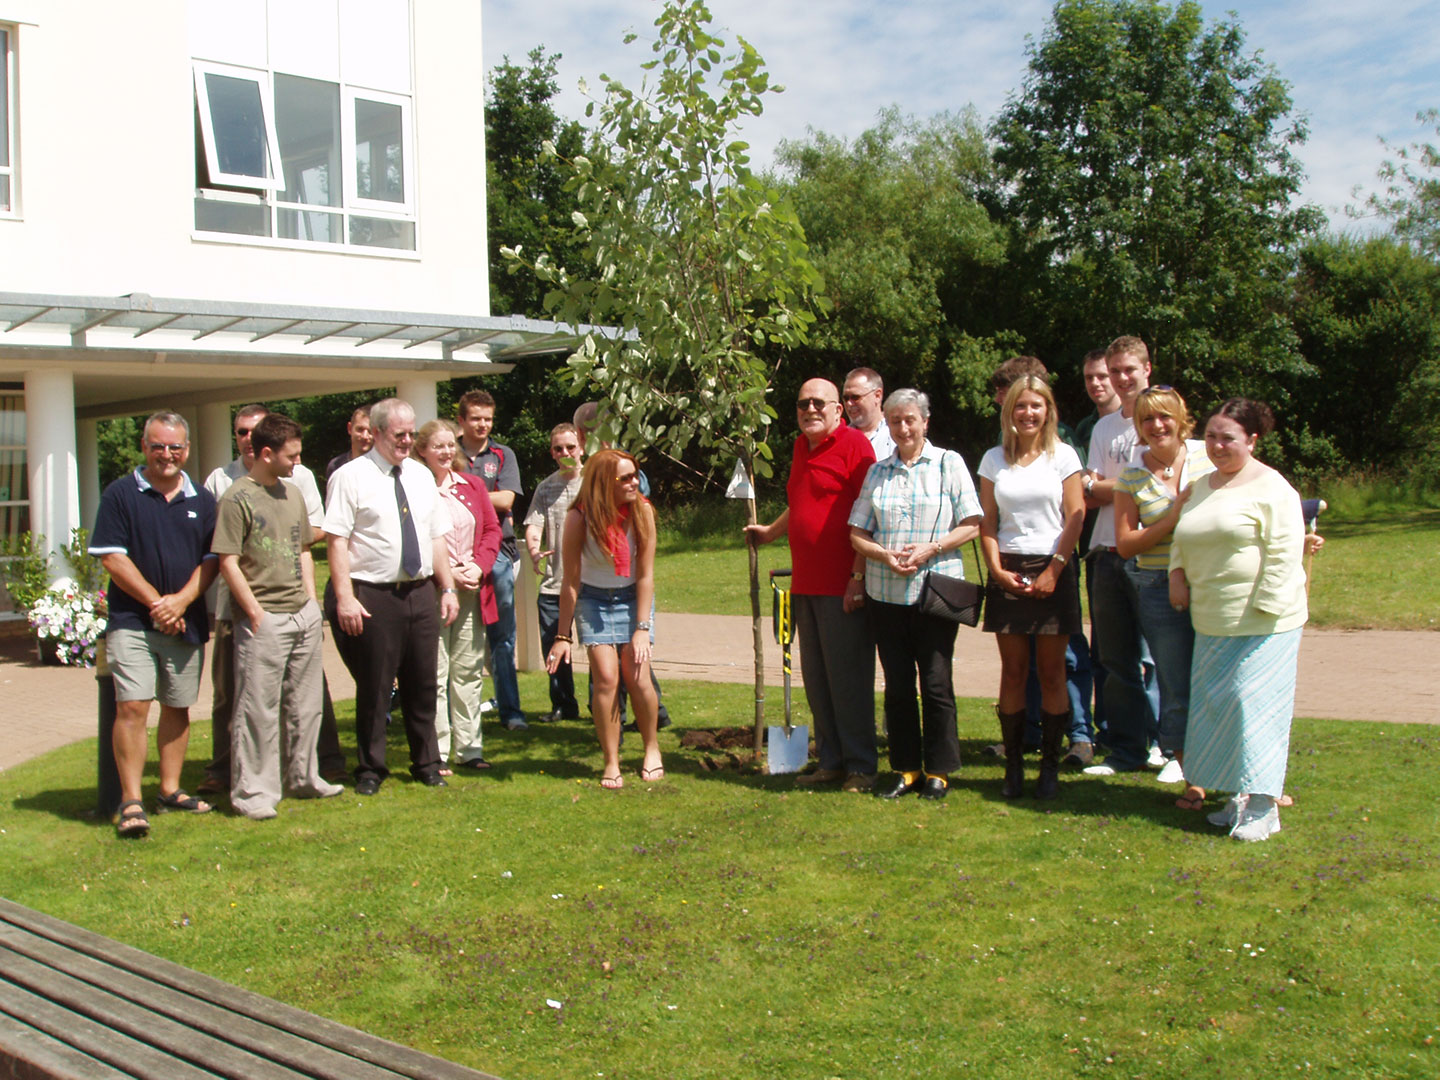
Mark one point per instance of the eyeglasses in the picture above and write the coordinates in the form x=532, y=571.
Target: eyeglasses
x=850, y=399
x=403, y=436
x=167, y=448
x=628, y=478
x=818, y=404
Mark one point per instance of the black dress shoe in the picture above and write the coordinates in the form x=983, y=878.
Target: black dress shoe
x=434, y=780
x=934, y=788
x=899, y=788
x=367, y=785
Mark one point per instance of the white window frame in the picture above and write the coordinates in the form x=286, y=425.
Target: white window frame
x=262, y=80
x=350, y=158
x=9, y=29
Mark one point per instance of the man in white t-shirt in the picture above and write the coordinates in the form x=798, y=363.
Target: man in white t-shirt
x=1114, y=605
x=863, y=398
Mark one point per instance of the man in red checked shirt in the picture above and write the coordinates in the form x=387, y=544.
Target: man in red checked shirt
x=827, y=587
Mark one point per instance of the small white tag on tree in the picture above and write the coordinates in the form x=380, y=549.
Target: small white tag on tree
x=739, y=484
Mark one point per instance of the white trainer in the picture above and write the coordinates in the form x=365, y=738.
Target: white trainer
x=1259, y=820
x=1172, y=773
x=1156, y=760
x=1226, y=815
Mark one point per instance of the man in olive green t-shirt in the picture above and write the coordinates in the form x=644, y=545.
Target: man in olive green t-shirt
x=262, y=535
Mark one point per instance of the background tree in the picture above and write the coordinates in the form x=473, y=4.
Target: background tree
x=913, y=261
x=1367, y=313
x=1411, y=198
x=1148, y=160
x=690, y=255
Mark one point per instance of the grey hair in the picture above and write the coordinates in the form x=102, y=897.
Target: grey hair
x=381, y=411
x=169, y=419
x=898, y=399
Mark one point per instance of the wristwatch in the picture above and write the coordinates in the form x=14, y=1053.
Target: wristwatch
x=444, y=591
x=1089, y=483
x=645, y=624
x=1061, y=559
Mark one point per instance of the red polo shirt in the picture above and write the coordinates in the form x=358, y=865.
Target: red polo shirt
x=824, y=482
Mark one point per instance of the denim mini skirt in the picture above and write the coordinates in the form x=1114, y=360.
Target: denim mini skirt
x=608, y=616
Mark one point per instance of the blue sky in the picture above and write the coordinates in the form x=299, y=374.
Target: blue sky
x=1357, y=71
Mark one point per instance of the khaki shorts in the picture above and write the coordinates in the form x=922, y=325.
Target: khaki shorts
x=151, y=666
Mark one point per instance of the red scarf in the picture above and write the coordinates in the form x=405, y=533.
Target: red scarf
x=618, y=543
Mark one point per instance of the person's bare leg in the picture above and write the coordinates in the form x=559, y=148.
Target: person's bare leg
x=647, y=708
x=132, y=744
x=1050, y=667
x=173, y=736
x=1014, y=668
x=605, y=680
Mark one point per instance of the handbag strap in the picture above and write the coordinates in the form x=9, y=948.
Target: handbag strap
x=945, y=456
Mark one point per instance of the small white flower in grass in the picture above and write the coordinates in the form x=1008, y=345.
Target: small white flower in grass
x=554, y=1004
x=672, y=1008
x=506, y=874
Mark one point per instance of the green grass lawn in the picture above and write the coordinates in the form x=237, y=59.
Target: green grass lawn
x=719, y=924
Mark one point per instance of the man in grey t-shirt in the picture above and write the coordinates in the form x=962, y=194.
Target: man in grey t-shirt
x=544, y=535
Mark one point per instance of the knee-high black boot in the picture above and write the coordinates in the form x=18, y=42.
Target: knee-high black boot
x=1012, y=733
x=1052, y=734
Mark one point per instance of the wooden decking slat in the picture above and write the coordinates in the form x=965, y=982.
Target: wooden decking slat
x=130, y=1009
x=283, y=1047
x=27, y=1053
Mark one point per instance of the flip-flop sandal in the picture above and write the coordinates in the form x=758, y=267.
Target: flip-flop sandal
x=133, y=825
x=655, y=772
x=612, y=783
x=1189, y=801
x=447, y=772
x=475, y=764
x=179, y=799
x=1285, y=800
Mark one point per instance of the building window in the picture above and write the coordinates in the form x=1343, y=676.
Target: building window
x=7, y=119
x=304, y=128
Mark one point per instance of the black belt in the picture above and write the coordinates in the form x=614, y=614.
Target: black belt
x=399, y=588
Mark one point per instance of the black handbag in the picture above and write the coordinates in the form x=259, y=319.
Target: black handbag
x=953, y=599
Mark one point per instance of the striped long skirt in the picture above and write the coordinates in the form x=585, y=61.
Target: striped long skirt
x=1242, y=699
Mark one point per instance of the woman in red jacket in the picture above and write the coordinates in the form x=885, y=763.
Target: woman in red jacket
x=473, y=541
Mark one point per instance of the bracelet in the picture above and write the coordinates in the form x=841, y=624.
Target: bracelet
x=1061, y=559
x=565, y=638
x=644, y=624
x=449, y=590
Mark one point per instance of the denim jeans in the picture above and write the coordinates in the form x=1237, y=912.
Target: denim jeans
x=562, y=683
x=1115, y=615
x=500, y=635
x=1172, y=641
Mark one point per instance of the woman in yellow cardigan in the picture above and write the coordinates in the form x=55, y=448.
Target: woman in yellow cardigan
x=1235, y=564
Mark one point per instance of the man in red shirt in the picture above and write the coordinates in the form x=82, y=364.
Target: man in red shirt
x=827, y=586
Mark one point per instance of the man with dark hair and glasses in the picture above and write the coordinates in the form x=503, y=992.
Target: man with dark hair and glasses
x=836, y=654
x=152, y=535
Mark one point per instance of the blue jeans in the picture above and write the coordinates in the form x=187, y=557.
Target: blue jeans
x=562, y=683
x=500, y=635
x=1172, y=641
x=1115, y=615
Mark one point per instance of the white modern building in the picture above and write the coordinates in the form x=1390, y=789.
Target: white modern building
x=204, y=202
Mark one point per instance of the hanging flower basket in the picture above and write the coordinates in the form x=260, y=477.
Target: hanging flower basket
x=68, y=623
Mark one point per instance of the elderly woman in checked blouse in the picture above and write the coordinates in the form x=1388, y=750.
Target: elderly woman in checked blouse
x=915, y=510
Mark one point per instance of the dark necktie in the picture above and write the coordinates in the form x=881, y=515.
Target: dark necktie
x=409, y=541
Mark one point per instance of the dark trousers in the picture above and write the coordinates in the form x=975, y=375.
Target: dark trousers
x=330, y=757
x=562, y=682
x=911, y=642
x=400, y=640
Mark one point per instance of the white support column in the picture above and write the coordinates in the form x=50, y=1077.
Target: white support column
x=87, y=455
x=50, y=458
x=212, y=446
x=420, y=393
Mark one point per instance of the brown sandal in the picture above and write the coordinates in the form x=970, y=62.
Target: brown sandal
x=1193, y=799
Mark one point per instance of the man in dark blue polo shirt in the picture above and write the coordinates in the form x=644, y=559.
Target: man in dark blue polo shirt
x=153, y=535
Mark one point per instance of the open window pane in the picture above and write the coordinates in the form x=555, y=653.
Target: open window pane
x=379, y=151
x=307, y=120
x=240, y=218
x=237, y=126
x=238, y=117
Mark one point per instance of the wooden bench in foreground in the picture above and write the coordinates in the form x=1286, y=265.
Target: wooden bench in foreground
x=74, y=1004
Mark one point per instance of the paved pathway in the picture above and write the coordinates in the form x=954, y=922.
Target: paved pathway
x=1353, y=675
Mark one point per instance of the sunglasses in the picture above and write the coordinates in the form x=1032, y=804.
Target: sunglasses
x=1157, y=388
x=818, y=404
